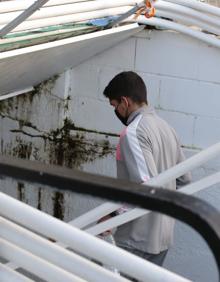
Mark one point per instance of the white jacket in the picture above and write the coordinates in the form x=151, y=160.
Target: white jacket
x=147, y=147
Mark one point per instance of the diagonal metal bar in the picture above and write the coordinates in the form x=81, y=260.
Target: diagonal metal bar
x=193, y=211
x=23, y=16
x=125, y=15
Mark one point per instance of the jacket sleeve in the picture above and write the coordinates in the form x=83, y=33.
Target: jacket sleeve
x=186, y=178
x=134, y=158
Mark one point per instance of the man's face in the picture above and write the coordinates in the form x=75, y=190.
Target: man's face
x=120, y=106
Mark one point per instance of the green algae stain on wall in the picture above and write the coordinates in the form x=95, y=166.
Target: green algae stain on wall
x=61, y=144
x=21, y=191
x=58, y=206
x=71, y=148
x=22, y=149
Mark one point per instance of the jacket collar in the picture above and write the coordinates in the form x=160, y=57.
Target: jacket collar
x=147, y=109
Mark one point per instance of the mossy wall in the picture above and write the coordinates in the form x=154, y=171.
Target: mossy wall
x=37, y=126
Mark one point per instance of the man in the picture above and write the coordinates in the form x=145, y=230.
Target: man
x=147, y=147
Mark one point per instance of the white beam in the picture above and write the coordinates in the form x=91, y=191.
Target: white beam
x=54, y=254
x=84, y=243
x=186, y=11
x=207, y=38
x=72, y=18
x=201, y=184
x=21, y=5
x=185, y=166
x=187, y=20
x=33, y=264
x=94, y=215
x=10, y=275
x=55, y=11
x=198, y=5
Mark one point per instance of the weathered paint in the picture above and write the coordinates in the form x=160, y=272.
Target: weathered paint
x=58, y=208
x=61, y=144
x=21, y=191
x=26, y=41
x=39, y=198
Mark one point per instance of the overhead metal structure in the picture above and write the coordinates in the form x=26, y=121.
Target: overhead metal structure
x=23, y=16
x=46, y=37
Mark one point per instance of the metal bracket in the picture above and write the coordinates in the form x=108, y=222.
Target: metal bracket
x=125, y=15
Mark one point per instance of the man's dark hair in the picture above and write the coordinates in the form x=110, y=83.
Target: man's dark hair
x=128, y=84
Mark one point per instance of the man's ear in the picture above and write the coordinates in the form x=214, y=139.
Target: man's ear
x=126, y=100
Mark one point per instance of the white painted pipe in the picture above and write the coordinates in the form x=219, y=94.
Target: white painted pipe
x=94, y=215
x=135, y=213
x=83, y=242
x=188, y=20
x=197, y=5
x=162, y=179
x=209, y=39
x=194, y=161
x=199, y=185
x=116, y=221
x=63, y=10
x=27, y=25
x=21, y=5
x=185, y=166
x=54, y=254
x=188, y=12
x=39, y=267
x=9, y=275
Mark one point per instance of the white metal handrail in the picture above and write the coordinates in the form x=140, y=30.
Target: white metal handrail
x=160, y=180
x=185, y=166
x=7, y=274
x=201, y=184
x=136, y=213
x=34, y=264
x=94, y=215
x=55, y=254
x=81, y=242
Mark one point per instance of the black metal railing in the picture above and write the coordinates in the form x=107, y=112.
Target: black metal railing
x=193, y=211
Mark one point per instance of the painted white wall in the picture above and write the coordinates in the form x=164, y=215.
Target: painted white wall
x=182, y=77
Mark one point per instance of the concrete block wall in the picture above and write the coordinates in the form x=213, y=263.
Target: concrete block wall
x=182, y=79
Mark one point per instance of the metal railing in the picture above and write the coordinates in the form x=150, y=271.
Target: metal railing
x=195, y=212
